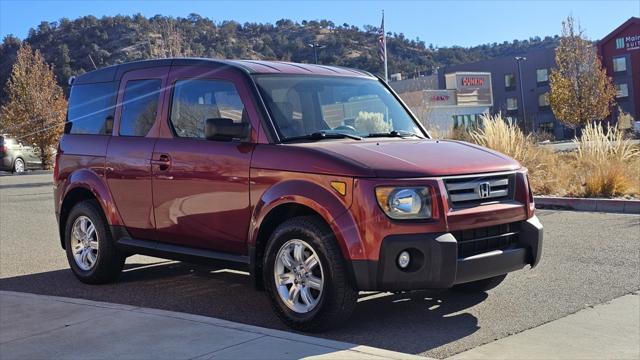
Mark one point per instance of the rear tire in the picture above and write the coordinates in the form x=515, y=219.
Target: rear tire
x=90, y=250
x=18, y=166
x=324, y=296
x=480, y=285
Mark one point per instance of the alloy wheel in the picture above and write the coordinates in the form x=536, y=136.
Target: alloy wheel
x=84, y=240
x=298, y=276
x=18, y=166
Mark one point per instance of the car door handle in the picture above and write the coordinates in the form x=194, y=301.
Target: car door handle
x=163, y=162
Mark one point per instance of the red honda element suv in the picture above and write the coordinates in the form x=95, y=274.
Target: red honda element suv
x=317, y=180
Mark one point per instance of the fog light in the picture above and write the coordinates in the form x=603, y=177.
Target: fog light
x=403, y=259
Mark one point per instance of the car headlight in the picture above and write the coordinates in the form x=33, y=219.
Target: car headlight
x=405, y=203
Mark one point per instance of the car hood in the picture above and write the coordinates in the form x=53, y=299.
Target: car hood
x=411, y=158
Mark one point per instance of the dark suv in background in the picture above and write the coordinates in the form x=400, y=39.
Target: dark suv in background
x=17, y=157
x=317, y=180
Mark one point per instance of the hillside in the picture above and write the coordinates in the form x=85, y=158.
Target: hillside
x=71, y=44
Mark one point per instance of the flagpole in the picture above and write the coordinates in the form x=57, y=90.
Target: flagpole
x=384, y=38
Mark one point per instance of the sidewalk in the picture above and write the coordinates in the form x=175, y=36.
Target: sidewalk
x=47, y=327
x=606, y=331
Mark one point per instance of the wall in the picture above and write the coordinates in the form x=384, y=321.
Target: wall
x=630, y=35
x=499, y=67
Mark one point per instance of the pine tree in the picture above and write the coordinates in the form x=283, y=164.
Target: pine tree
x=581, y=92
x=36, y=108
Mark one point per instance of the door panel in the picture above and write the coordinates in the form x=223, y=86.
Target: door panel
x=128, y=163
x=202, y=198
x=201, y=187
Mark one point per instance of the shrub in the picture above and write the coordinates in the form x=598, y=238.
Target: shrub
x=610, y=164
x=371, y=122
x=605, y=164
x=506, y=137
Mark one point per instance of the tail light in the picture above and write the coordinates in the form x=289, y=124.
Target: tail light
x=55, y=167
x=4, y=149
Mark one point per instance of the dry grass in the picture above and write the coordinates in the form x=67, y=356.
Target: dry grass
x=610, y=164
x=604, y=164
x=507, y=138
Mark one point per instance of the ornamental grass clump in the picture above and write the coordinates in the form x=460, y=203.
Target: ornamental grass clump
x=504, y=136
x=609, y=164
x=604, y=164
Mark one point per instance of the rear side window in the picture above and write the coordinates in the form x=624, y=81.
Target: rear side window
x=91, y=108
x=139, y=107
x=196, y=100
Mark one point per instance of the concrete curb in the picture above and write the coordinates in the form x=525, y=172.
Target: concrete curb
x=333, y=348
x=26, y=173
x=583, y=204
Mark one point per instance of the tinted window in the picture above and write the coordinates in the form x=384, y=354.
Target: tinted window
x=139, y=107
x=91, y=108
x=194, y=101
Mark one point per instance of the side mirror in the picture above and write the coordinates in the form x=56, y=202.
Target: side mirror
x=224, y=129
x=67, y=127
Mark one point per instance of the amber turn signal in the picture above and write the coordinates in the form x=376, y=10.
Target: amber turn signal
x=340, y=187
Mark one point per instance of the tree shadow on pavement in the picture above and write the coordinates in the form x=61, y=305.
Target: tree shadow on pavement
x=412, y=322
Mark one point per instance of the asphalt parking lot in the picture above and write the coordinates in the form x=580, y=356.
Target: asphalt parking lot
x=589, y=258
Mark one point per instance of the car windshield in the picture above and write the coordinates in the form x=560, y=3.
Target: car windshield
x=317, y=107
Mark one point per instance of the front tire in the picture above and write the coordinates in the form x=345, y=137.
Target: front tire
x=306, y=277
x=480, y=285
x=91, y=253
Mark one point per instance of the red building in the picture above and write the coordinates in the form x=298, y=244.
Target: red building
x=620, y=52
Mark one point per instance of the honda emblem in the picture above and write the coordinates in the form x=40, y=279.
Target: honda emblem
x=484, y=190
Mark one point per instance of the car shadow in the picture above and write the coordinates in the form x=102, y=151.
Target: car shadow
x=385, y=320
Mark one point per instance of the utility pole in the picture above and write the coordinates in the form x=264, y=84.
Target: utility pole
x=93, y=63
x=315, y=47
x=520, y=59
x=384, y=41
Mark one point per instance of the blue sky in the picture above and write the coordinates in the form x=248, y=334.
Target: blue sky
x=443, y=23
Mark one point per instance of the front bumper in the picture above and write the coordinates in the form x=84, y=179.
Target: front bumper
x=436, y=261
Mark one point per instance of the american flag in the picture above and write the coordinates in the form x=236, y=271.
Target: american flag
x=381, y=39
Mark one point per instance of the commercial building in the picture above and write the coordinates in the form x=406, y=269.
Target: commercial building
x=620, y=52
x=525, y=98
x=460, y=102
x=534, y=113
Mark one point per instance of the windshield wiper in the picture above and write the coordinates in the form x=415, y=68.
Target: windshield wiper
x=395, y=133
x=321, y=135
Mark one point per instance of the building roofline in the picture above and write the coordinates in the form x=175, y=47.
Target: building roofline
x=469, y=72
x=529, y=52
x=612, y=34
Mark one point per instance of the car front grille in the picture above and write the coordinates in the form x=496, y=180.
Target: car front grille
x=481, y=240
x=476, y=190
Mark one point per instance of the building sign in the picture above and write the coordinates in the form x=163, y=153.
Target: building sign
x=440, y=97
x=631, y=42
x=471, y=88
x=473, y=81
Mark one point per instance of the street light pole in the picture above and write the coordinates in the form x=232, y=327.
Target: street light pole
x=519, y=59
x=315, y=47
